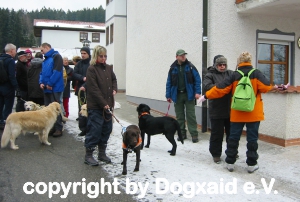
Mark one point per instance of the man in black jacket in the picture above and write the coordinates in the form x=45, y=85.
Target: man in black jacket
x=7, y=88
x=79, y=73
x=219, y=109
x=21, y=68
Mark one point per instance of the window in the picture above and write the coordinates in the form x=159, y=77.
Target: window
x=83, y=36
x=111, y=33
x=107, y=36
x=275, y=56
x=273, y=62
x=96, y=37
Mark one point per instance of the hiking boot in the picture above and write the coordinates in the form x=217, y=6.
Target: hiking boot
x=2, y=125
x=51, y=132
x=183, y=137
x=58, y=133
x=83, y=133
x=251, y=169
x=195, y=139
x=89, y=159
x=217, y=160
x=101, y=153
x=230, y=167
x=237, y=156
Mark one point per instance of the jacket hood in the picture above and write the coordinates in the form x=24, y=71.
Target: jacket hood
x=36, y=61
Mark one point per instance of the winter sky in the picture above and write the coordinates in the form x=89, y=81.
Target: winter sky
x=54, y=4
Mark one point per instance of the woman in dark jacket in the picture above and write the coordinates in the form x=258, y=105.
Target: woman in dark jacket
x=35, y=93
x=219, y=109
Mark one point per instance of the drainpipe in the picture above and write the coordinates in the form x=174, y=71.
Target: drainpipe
x=204, y=61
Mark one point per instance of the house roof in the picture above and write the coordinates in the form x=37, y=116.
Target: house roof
x=40, y=24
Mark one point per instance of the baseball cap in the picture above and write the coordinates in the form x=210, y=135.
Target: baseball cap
x=180, y=52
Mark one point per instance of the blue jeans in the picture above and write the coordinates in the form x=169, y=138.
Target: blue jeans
x=234, y=138
x=98, y=128
x=7, y=99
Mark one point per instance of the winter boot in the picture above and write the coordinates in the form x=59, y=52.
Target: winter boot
x=89, y=159
x=101, y=153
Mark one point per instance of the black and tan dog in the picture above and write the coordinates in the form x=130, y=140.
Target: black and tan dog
x=157, y=125
x=131, y=142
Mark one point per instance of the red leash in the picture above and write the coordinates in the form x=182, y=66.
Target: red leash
x=168, y=109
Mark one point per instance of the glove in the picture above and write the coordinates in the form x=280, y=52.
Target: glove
x=18, y=93
x=201, y=99
x=169, y=100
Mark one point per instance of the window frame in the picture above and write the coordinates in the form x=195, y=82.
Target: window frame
x=276, y=37
x=111, y=33
x=98, y=36
x=83, y=33
x=107, y=35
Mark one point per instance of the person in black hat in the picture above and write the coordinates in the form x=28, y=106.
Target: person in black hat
x=219, y=109
x=21, y=75
x=79, y=74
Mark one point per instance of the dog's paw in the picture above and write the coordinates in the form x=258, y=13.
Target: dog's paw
x=172, y=154
x=147, y=146
x=170, y=151
x=122, y=163
x=15, y=147
x=136, y=169
x=36, y=133
x=124, y=173
x=47, y=143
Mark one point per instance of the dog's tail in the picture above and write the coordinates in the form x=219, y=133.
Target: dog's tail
x=179, y=131
x=5, y=136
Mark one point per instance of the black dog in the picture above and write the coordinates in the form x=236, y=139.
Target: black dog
x=131, y=142
x=156, y=125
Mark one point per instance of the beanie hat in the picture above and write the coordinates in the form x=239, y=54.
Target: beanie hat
x=86, y=49
x=244, y=57
x=28, y=51
x=221, y=60
x=21, y=53
x=216, y=57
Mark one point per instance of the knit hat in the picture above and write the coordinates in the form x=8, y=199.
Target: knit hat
x=216, y=57
x=221, y=60
x=28, y=51
x=244, y=57
x=86, y=49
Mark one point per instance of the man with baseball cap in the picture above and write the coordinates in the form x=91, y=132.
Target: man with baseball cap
x=183, y=87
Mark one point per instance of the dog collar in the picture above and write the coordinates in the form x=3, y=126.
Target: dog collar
x=144, y=113
x=130, y=149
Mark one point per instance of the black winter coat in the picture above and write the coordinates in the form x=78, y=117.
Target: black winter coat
x=33, y=76
x=80, y=72
x=21, y=69
x=218, y=108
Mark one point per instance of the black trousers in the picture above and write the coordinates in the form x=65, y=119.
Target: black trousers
x=217, y=135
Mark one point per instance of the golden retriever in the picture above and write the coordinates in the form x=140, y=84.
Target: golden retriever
x=40, y=121
x=31, y=106
x=83, y=111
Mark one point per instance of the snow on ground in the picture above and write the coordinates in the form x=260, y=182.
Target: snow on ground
x=193, y=176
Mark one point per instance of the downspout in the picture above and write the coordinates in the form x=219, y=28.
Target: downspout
x=204, y=61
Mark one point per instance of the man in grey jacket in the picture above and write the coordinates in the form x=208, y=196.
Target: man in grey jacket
x=219, y=109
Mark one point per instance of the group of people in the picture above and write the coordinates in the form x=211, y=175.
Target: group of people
x=219, y=83
x=96, y=79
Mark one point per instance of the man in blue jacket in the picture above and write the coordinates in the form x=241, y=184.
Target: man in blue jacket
x=51, y=80
x=183, y=87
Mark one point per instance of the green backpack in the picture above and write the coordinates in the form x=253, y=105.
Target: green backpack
x=244, y=98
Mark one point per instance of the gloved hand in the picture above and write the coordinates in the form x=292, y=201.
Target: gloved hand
x=169, y=100
x=18, y=93
x=201, y=99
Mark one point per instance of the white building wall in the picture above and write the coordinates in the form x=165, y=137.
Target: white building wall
x=115, y=8
x=155, y=32
x=231, y=33
x=68, y=39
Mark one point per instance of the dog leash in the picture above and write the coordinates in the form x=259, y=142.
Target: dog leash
x=123, y=128
x=168, y=109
